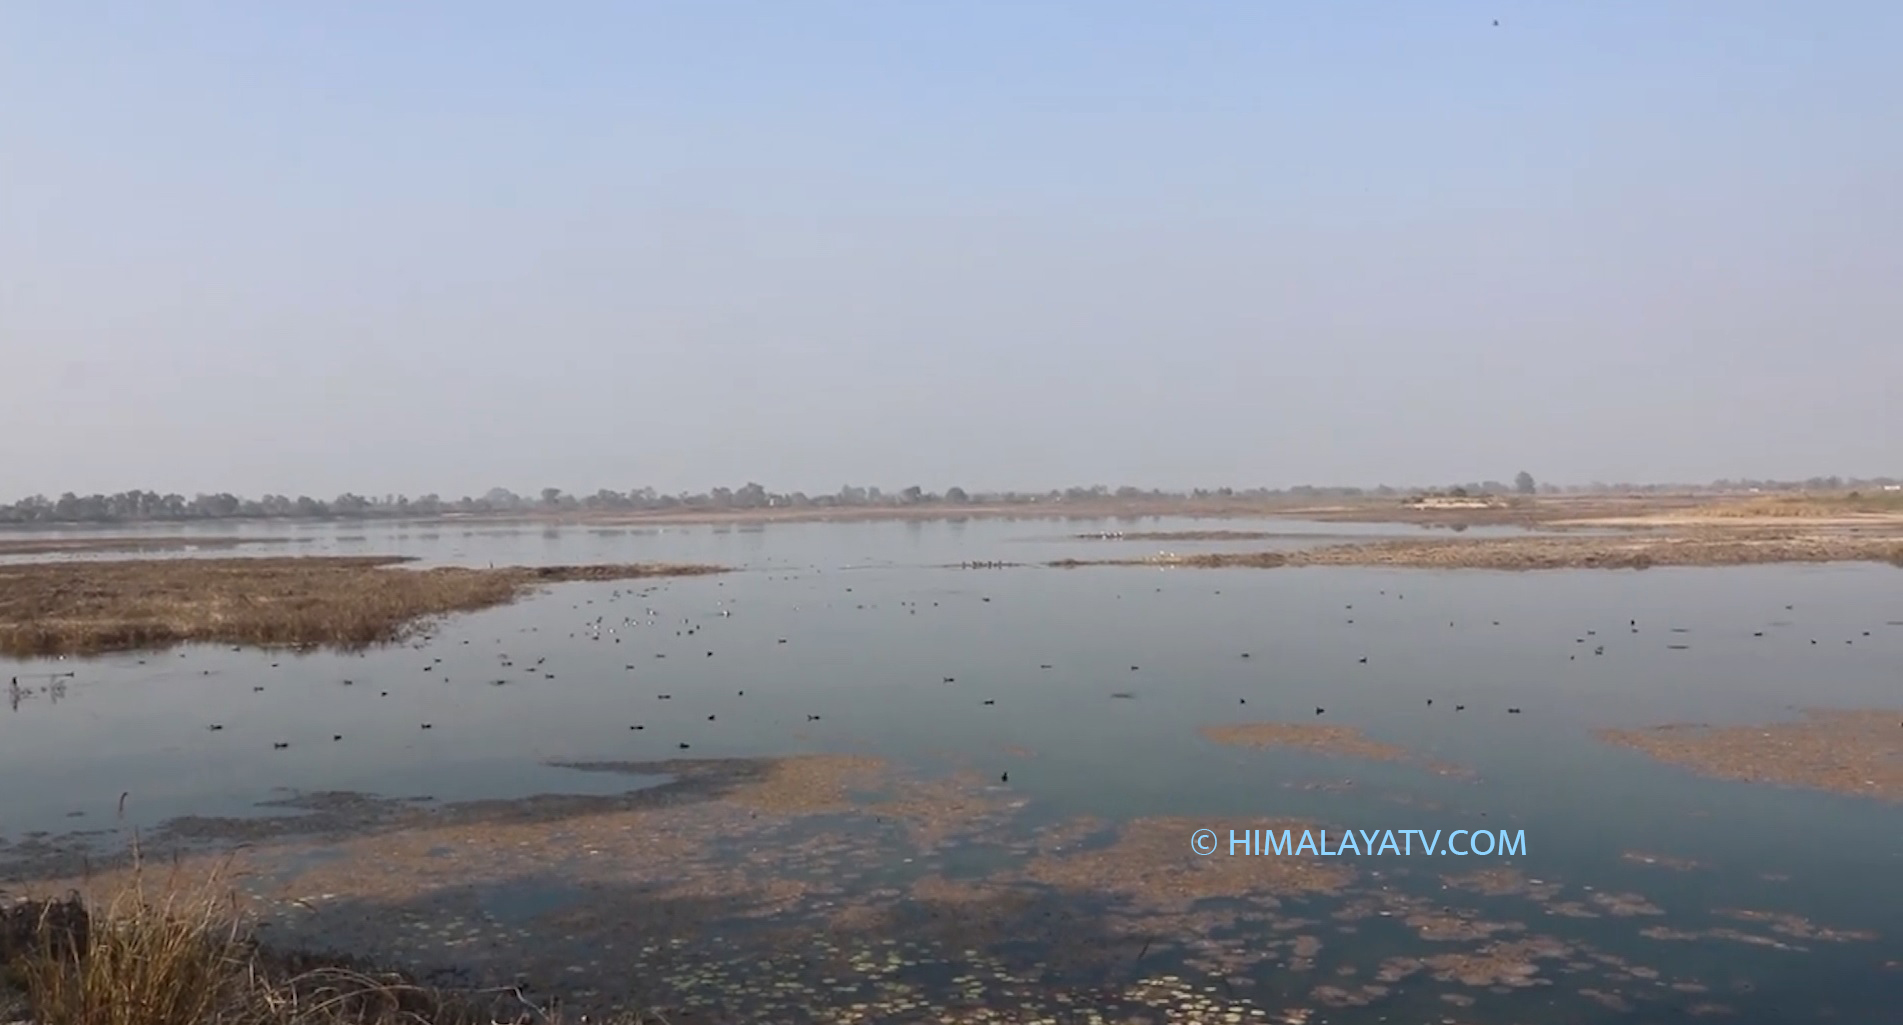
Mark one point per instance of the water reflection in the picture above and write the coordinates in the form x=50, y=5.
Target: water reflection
x=1044, y=743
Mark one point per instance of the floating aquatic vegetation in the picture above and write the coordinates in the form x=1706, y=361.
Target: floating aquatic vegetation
x=1797, y=926
x=1504, y=882
x=1316, y=737
x=1513, y=964
x=811, y=784
x=1661, y=860
x=1151, y=861
x=1625, y=905
x=1849, y=752
x=1324, y=739
x=936, y=810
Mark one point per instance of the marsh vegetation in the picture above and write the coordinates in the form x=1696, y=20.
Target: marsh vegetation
x=79, y=608
x=1540, y=552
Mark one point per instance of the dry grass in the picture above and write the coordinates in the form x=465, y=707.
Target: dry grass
x=1809, y=506
x=347, y=602
x=180, y=953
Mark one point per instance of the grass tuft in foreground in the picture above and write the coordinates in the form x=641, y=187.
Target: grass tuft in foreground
x=180, y=954
x=82, y=608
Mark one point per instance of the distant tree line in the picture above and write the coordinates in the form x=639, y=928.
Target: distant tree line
x=151, y=506
x=144, y=506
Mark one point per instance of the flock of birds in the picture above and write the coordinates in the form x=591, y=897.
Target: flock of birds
x=601, y=629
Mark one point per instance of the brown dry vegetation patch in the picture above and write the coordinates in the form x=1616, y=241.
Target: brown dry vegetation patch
x=173, y=950
x=1514, y=964
x=1710, y=548
x=343, y=601
x=1642, y=552
x=1316, y=738
x=1151, y=863
x=935, y=811
x=1321, y=739
x=812, y=784
x=1881, y=504
x=1848, y=752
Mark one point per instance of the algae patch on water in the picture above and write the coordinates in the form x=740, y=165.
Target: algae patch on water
x=1847, y=752
x=1323, y=739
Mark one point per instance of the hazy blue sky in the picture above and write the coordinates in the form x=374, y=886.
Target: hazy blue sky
x=318, y=246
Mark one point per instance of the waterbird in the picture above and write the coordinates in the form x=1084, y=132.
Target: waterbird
x=1364, y=659
x=1004, y=777
x=990, y=701
x=1319, y=710
x=427, y=726
x=215, y=727
x=279, y=745
x=684, y=745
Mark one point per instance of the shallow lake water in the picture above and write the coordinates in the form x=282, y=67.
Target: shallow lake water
x=1660, y=893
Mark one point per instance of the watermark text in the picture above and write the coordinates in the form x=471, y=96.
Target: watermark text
x=1333, y=843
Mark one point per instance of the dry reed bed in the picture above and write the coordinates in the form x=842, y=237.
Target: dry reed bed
x=180, y=953
x=77, y=608
x=1532, y=553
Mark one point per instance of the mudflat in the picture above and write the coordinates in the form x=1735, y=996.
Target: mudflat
x=72, y=608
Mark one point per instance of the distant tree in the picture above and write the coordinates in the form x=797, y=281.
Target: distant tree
x=956, y=495
x=1524, y=484
x=551, y=496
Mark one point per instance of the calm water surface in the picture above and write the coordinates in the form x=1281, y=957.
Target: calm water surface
x=872, y=625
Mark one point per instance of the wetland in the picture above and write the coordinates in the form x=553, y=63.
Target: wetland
x=808, y=771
